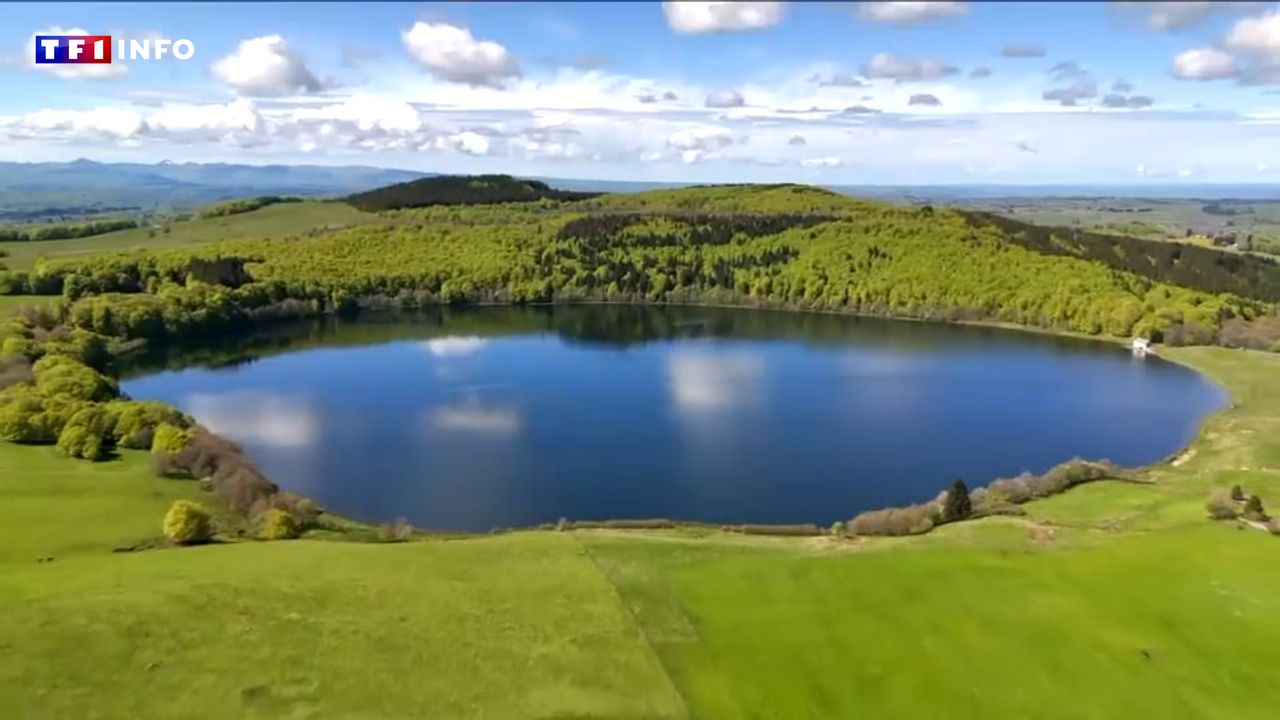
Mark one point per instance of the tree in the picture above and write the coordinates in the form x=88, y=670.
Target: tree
x=278, y=524
x=1253, y=509
x=958, y=505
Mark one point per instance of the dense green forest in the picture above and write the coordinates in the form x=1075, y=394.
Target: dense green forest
x=459, y=190
x=774, y=246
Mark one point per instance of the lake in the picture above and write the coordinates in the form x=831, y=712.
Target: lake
x=500, y=417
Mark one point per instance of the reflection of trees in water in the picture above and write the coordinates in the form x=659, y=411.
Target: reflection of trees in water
x=618, y=326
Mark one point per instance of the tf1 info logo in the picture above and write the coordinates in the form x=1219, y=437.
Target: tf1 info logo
x=96, y=49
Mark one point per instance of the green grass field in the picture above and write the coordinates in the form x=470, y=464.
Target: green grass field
x=1110, y=601
x=279, y=220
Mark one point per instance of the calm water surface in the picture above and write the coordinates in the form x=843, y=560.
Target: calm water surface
x=504, y=417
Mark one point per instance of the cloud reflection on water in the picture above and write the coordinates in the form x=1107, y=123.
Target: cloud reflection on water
x=258, y=416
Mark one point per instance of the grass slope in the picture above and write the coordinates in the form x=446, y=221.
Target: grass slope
x=1109, y=601
x=279, y=220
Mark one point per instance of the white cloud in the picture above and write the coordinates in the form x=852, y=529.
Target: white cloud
x=890, y=66
x=1257, y=35
x=451, y=53
x=910, y=12
x=704, y=17
x=115, y=69
x=1182, y=14
x=725, y=98
x=265, y=67
x=107, y=121
x=1203, y=64
x=468, y=142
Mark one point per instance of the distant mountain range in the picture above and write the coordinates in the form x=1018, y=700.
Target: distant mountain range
x=84, y=187
x=30, y=191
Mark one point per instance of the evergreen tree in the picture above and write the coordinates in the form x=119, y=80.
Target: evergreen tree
x=958, y=506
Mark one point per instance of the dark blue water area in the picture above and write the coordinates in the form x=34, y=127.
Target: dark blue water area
x=487, y=418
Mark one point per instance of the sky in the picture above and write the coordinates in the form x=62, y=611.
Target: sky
x=824, y=92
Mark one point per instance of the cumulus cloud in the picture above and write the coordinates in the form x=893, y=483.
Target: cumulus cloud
x=705, y=17
x=468, y=142
x=1259, y=36
x=796, y=141
x=859, y=110
x=1205, y=63
x=1023, y=50
x=910, y=12
x=1122, y=86
x=822, y=162
x=452, y=53
x=924, y=99
x=889, y=66
x=1072, y=94
x=72, y=72
x=1182, y=14
x=265, y=67
x=980, y=72
x=725, y=98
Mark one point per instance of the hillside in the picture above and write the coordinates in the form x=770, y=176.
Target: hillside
x=771, y=245
x=459, y=190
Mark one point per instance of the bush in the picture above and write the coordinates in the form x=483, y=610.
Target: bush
x=957, y=506
x=62, y=375
x=1253, y=509
x=87, y=434
x=187, y=523
x=1273, y=525
x=1237, y=493
x=1220, y=506
x=170, y=439
x=910, y=520
x=805, y=530
x=397, y=531
x=837, y=529
x=135, y=423
x=278, y=524
x=305, y=512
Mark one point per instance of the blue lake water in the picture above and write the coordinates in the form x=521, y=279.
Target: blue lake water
x=502, y=417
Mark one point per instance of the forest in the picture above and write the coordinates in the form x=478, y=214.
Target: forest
x=774, y=246
x=459, y=190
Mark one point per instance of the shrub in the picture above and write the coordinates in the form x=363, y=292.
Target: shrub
x=398, y=530
x=62, y=375
x=805, y=530
x=1060, y=478
x=1237, y=493
x=305, y=512
x=910, y=520
x=1273, y=525
x=187, y=523
x=278, y=524
x=169, y=439
x=135, y=422
x=837, y=529
x=1253, y=509
x=957, y=505
x=87, y=434
x=1220, y=505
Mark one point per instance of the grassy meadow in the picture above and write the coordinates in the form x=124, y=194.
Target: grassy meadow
x=1109, y=601
x=278, y=220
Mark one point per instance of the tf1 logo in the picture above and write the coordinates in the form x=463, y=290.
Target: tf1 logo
x=96, y=49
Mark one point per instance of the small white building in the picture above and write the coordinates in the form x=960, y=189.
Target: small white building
x=1143, y=346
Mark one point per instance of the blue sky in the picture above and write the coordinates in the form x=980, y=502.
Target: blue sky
x=914, y=92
